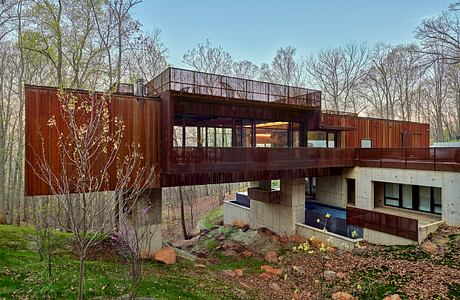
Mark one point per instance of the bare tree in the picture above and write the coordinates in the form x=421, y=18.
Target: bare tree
x=147, y=56
x=285, y=69
x=209, y=59
x=245, y=69
x=440, y=35
x=339, y=73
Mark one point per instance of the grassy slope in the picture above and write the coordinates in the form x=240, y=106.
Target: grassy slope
x=23, y=275
x=212, y=217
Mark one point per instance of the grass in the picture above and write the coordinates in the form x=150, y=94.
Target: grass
x=23, y=275
x=213, y=217
x=376, y=283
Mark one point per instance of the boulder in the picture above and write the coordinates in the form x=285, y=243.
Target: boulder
x=284, y=239
x=245, y=228
x=238, y=272
x=265, y=276
x=238, y=223
x=2, y=219
x=297, y=239
x=166, y=255
x=271, y=257
x=229, y=273
x=329, y=275
x=275, y=286
x=332, y=250
x=200, y=266
x=201, y=254
x=185, y=255
x=342, y=296
x=392, y=297
x=271, y=270
x=247, y=253
x=429, y=247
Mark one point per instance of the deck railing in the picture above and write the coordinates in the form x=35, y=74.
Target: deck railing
x=435, y=159
x=381, y=222
x=232, y=87
x=201, y=159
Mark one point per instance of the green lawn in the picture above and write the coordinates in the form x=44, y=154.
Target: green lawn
x=24, y=276
x=213, y=217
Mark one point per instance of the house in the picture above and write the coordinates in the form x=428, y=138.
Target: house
x=378, y=179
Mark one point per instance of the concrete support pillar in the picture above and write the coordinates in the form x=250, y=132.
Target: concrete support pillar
x=145, y=217
x=281, y=217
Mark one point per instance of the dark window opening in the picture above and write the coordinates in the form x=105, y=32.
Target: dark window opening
x=351, y=191
x=413, y=197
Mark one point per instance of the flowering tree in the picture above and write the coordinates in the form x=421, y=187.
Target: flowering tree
x=88, y=164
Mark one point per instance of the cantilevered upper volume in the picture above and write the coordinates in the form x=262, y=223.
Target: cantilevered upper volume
x=193, y=82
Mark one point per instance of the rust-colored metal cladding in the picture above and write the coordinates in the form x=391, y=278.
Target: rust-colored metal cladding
x=391, y=224
x=432, y=159
x=140, y=116
x=380, y=132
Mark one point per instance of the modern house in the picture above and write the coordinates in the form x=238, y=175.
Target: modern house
x=378, y=178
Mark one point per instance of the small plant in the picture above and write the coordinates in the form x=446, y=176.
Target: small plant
x=320, y=252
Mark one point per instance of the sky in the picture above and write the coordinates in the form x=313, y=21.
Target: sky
x=254, y=29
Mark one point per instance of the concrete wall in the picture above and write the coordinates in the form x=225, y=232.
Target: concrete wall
x=381, y=238
x=338, y=241
x=329, y=190
x=233, y=211
x=146, y=217
x=449, y=182
x=281, y=217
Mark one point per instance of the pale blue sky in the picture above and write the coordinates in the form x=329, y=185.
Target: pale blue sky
x=254, y=29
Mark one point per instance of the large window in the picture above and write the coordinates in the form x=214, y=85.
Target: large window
x=208, y=131
x=419, y=198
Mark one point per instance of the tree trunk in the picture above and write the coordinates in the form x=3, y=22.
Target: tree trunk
x=182, y=214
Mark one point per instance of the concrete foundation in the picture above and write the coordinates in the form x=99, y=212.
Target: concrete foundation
x=281, y=217
x=145, y=217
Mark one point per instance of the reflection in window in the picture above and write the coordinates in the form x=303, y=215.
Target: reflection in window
x=316, y=139
x=437, y=209
x=246, y=137
x=272, y=134
x=392, y=196
x=424, y=199
x=331, y=140
x=191, y=136
x=407, y=196
x=177, y=136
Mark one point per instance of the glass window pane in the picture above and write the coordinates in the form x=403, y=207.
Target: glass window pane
x=295, y=134
x=227, y=137
x=437, y=200
x=366, y=143
x=219, y=137
x=177, y=136
x=424, y=199
x=191, y=136
x=246, y=138
x=316, y=139
x=392, y=190
x=407, y=196
x=392, y=202
x=211, y=137
x=331, y=140
x=271, y=134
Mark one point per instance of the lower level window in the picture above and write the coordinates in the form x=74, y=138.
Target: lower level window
x=414, y=197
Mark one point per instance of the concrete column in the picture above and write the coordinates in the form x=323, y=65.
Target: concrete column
x=146, y=219
x=281, y=217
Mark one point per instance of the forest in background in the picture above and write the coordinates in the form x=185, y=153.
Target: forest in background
x=93, y=44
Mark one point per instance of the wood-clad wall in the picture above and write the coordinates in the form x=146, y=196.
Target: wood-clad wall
x=141, y=116
x=385, y=133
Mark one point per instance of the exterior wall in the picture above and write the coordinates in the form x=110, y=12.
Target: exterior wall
x=385, y=133
x=336, y=240
x=329, y=190
x=449, y=182
x=146, y=217
x=233, y=212
x=382, y=238
x=281, y=217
